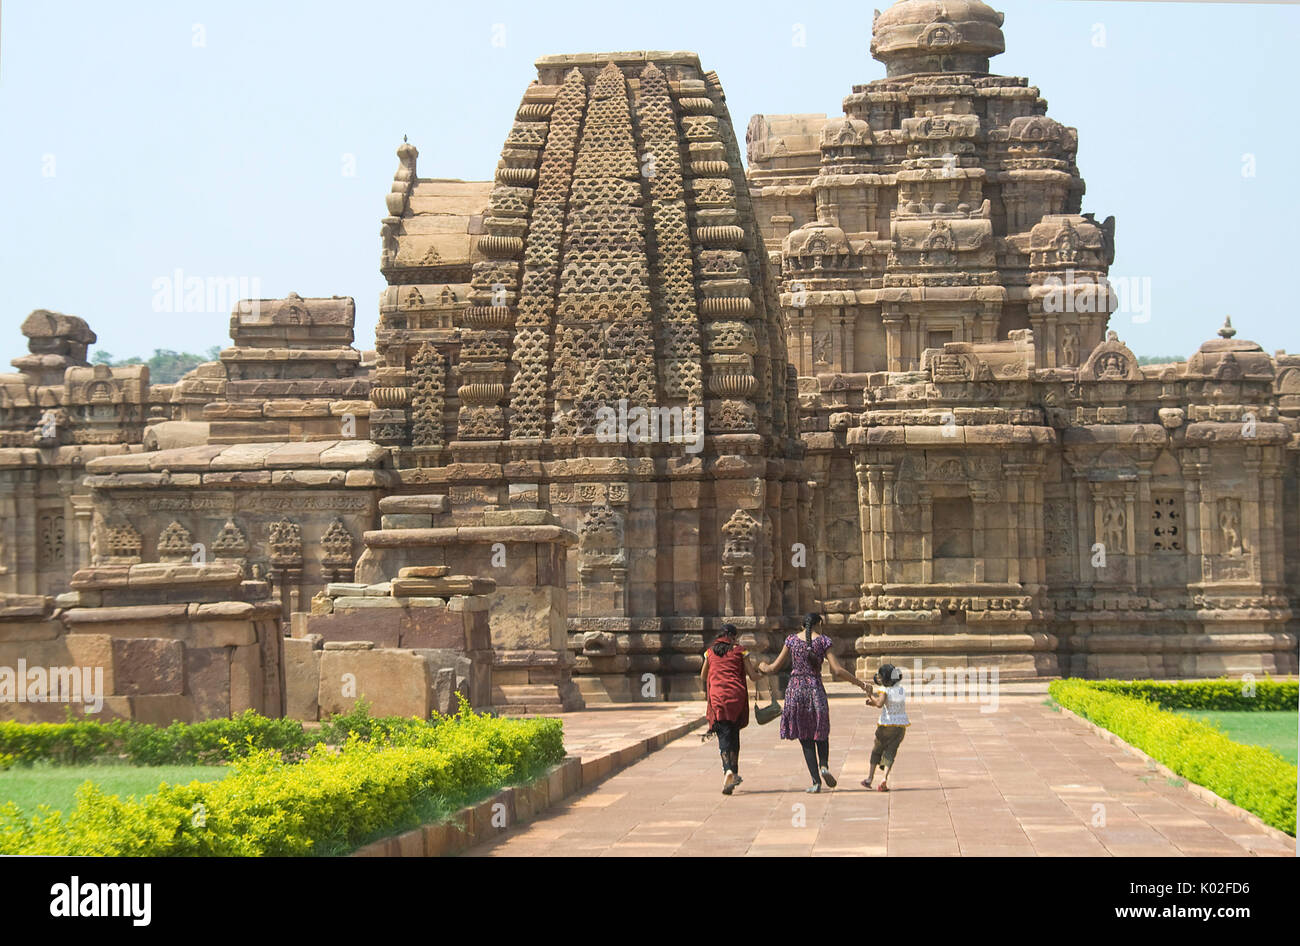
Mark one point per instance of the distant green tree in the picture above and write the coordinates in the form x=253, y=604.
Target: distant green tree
x=1159, y=359
x=165, y=366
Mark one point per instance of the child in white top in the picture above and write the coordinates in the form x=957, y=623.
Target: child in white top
x=891, y=699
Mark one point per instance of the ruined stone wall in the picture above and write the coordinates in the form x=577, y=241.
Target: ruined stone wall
x=167, y=531
x=152, y=642
x=290, y=513
x=57, y=413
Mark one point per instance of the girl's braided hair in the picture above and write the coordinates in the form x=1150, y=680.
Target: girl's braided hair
x=809, y=622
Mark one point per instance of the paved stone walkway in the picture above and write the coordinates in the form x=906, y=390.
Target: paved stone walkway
x=1023, y=780
x=611, y=727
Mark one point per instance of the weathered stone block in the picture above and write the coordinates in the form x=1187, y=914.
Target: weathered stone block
x=302, y=659
x=207, y=681
x=162, y=710
x=248, y=682
x=425, y=571
x=145, y=666
x=395, y=682
x=418, y=505
x=405, y=521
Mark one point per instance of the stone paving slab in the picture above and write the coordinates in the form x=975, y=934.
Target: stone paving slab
x=604, y=730
x=1023, y=780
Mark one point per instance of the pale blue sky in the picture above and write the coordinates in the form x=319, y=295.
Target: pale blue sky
x=228, y=159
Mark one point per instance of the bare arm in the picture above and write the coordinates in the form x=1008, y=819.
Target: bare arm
x=875, y=697
x=779, y=664
x=704, y=673
x=838, y=671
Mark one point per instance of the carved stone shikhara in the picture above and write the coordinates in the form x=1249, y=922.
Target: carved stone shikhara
x=614, y=261
x=896, y=330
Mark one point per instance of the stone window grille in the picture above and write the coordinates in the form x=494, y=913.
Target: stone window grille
x=1167, y=524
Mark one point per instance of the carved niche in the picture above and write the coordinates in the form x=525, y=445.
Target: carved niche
x=602, y=562
x=1111, y=361
x=174, y=544
x=285, y=539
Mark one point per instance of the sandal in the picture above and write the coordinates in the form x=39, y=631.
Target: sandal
x=882, y=787
x=866, y=783
x=827, y=777
x=728, y=783
x=813, y=789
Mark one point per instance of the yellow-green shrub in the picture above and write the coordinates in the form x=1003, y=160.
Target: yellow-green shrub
x=213, y=740
x=329, y=802
x=1250, y=777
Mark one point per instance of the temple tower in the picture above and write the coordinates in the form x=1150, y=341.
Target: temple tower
x=1000, y=485
x=615, y=356
x=945, y=206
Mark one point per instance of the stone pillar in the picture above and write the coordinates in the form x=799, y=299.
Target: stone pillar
x=79, y=535
x=1130, y=508
x=895, y=325
x=1086, y=528
x=1016, y=502
x=1142, y=550
x=1253, y=535
x=849, y=334
x=790, y=532
x=1207, y=519
x=927, y=535
x=1192, y=505
x=979, y=502
x=868, y=486
x=837, y=339
x=889, y=528
x=807, y=368
x=25, y=538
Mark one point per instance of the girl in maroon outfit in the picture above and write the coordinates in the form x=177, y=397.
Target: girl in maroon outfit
x=724, y=671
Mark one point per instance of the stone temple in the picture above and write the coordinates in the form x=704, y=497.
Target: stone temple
x=631, y=388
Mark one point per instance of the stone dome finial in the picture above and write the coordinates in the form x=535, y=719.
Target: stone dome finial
x=1227, y=331
x=924, y=36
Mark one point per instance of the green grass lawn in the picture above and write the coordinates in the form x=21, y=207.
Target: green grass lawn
x=56, y=785
x=1272, y=729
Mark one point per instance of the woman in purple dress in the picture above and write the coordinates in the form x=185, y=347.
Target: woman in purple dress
x=806, y=715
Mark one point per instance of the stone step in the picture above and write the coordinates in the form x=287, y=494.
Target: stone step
x=422, y=504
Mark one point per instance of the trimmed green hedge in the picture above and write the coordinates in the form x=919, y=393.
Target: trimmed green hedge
x=79, y=741
x=329, y=803
x=1209, y=694
x=211, y=741
x=1250, y=777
